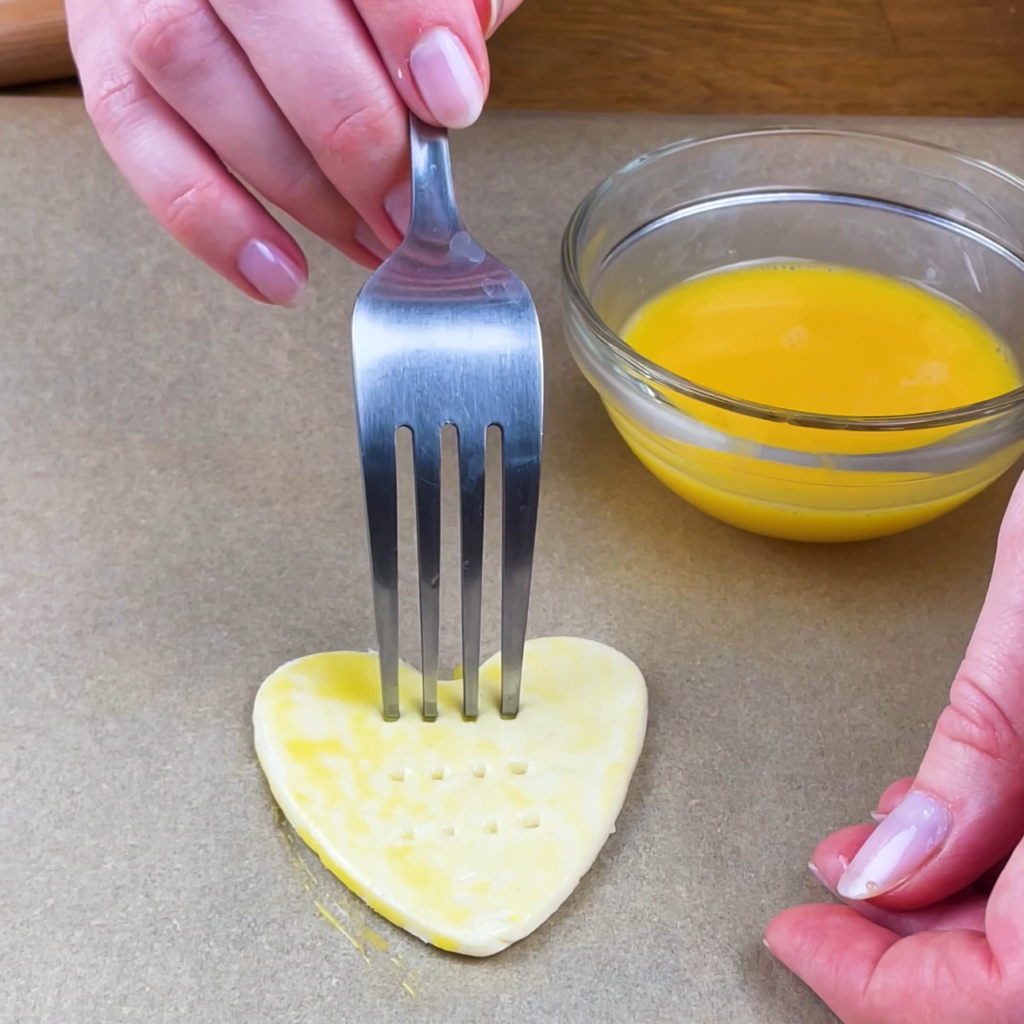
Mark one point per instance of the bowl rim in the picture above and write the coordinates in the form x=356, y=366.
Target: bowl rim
x=1010, y=400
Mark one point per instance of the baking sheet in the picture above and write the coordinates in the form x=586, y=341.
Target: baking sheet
x=181, y=513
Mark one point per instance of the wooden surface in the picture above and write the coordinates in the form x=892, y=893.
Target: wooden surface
x=948, y=57
x=33, y=42
x=900, y=57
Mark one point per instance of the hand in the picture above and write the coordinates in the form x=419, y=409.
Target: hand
x=933, y=929
x=305, y=102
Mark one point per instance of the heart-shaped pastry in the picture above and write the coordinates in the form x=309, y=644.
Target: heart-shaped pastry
x=468, y=834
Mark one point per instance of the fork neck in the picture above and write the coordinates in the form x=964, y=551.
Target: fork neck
x=435, y=217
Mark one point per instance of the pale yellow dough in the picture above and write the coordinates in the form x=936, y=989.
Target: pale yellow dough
x=467, y=834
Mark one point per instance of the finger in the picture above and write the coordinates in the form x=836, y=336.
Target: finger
x=337, y=97
x=966, y=807
x=187, y=55
x=436, y=56
x=893, y=797
x=868, y=975
x=1004, y=922
x=435, y=53
x=181, y=182
x=964, y=910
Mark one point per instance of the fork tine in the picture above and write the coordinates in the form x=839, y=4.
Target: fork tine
x=427, y=461
x=472, y=458
x=521, y=488
x=380, y=489
x=443, y=331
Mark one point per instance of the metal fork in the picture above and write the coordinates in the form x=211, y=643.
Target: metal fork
x=443, y=333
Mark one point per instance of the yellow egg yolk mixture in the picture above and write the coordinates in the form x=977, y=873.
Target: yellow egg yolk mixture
x=811, y=338
x=823, y=339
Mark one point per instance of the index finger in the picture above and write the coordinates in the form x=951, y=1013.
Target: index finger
x=965, y=809
x=435, y=53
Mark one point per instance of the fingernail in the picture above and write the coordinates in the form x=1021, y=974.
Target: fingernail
x=819, y=877
x=446, y=78
x=365, y=236
x=398, y=206
x=878, y=817
x=903, y=842
x=271, y=273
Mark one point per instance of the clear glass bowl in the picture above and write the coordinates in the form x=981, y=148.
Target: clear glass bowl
x=931, y=216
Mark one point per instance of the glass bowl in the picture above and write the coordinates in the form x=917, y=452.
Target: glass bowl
x=944, y=221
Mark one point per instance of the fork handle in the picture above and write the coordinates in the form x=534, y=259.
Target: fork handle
x=435, y=216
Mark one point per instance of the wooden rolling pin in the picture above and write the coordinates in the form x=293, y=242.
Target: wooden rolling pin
x=33, y=42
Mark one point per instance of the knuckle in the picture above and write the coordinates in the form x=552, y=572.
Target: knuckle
x=189, y=211
x=371, y=128
x=975, y=720
x=112, y=99
x=171, y=38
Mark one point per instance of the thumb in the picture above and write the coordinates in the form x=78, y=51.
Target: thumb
x=1004, y=922
x=965, y=808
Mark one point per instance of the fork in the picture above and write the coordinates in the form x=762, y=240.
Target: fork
x=443, y=333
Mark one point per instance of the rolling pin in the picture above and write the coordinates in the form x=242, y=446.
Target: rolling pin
x=33, y=42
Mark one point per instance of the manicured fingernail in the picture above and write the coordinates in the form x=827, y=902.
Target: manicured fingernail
x=878, y=817
x=903, y=842
x=446, y=78
x=398, y=206
x=365, y=236
x=271, y=273
x=819, y=877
